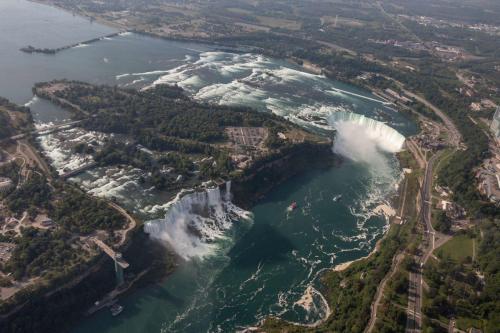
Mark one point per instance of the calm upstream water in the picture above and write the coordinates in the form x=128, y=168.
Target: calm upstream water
x=256, y=268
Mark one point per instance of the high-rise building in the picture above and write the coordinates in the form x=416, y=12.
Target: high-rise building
x=495, y=124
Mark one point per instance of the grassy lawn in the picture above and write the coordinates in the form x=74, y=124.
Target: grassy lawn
x=407, y=161
x=274, y=22
x=458, y=248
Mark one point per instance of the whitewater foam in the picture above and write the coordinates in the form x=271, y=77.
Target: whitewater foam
x=360, y=138
x=80, y=45
x=33, y=100
x=58, y=147
x=194, y=220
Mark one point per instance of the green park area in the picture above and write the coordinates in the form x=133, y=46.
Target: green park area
x=458, y=248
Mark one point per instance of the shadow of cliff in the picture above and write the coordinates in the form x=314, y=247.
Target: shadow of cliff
x=262, y=243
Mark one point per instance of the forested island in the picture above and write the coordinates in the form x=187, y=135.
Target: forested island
x=183, y=143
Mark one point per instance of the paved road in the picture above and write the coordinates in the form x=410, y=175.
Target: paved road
x=398, y=22
x=433, y=239
x=414, y=311
x=455, y=136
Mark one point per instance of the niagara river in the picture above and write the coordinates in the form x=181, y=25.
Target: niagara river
x=236, y=267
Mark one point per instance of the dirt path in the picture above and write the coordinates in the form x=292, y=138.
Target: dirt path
x=403, y=203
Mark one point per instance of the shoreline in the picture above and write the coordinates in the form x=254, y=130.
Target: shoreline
x=387, y=210
x=91, y=19
x=306, y=65
x=390, y=212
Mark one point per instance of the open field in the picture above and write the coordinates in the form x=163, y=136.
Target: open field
x=458, y=248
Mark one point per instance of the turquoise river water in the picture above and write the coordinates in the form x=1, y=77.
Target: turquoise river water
x=251, y=268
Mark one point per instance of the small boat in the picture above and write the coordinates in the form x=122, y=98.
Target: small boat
x=337, y=197
x=292, y=206
x=116, y=309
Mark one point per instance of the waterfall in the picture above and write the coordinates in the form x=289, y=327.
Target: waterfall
x=227, y=196
x=367, y=141
x=385, y=137
x=194, y=221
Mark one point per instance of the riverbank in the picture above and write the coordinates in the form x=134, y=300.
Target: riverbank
x=397, y=238
x=83, y=15
x=224, y=45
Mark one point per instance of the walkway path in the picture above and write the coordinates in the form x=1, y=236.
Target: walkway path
x=396, y=261
x=131, y=225
x=30, y=153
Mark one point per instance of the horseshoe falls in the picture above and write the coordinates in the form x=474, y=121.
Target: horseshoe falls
x=366, y=140
x=350, y=124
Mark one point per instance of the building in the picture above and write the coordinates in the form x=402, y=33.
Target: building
x=5, y=185
x=403, y=99
x=47, y=223
x=495, y=124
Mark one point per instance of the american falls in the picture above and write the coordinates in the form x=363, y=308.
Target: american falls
x=194, y=220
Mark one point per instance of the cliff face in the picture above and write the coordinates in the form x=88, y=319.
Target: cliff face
x=257, y=181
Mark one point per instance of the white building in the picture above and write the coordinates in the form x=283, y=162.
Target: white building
x=5, y=184
x=495, y=124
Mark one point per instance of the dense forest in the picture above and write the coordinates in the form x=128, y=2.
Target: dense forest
x=34, y=193
x=78, y=213
x=73, y=212
x=39, y=251
x=161, y=117
x=9, y=127
x=175, y=140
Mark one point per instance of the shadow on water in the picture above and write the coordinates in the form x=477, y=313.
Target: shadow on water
x=262, y=243
x=134, y=307
x=162, y=293
x=293, y=185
